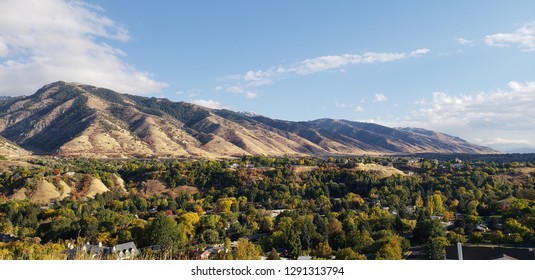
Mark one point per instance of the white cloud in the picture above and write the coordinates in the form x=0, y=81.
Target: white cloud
x=244, y=83
x=464, y=41
x=210, y=104
x=243, y=91
x=46, y=41
x=499, y=118
x=419, y=52
x=3, y=48
x=250, y=95
x=523, y=37
x=323, y=63
x=359, y=109
x=379, y=97
x=502, y=141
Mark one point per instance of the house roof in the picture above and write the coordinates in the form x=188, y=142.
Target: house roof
x=123, y=250
x=505, y=257
x=7, y=238
x=125, y=246
x=97, y=250
x=126, y=250
x=490, y=253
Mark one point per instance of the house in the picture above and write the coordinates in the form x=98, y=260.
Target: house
x=170, y=213
x=505, y=257
x=374, y=202
x=234, y=166
x=275, y=213
x=460, y=217
x=458, y=166
x=410, y=209
x=447, y=225
x=480, y=228
x=125, y=251
x=96, y=251
x=119, y=252
x=489, y=253
x=6, y=238
x=205, y=255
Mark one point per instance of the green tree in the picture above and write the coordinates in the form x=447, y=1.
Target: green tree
x=227, y=253
x=427, y=229
x=435, y=249
x=435, y=203
x=324, y=250
x=166, y=232
x=266, y=224
x=476, y=237
x=391, y=250
x=349, y=254
x=189, y=220
x=294, y=246
x=497, y=237
x=246, y=250
x=273, y=255
x=514, y=226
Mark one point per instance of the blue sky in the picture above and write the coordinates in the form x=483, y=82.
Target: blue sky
x=461, y=67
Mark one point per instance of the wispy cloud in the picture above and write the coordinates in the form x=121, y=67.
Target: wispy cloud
x=242, y=90
x=324, y=63
x=379, y=97
x=523, y=37
x=464, y=41
x=485, y=117
x=64, y=40
x=210, y=104
x=248, y=82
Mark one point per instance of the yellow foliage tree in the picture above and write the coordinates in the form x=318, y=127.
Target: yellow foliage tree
x=246, y=250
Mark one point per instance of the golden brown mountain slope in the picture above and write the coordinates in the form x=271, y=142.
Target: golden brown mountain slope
x=9, y=150
x=69, y=119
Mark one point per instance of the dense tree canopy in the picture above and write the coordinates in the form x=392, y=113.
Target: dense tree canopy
x=292, y=207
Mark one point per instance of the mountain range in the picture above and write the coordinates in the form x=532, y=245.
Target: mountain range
x=71, y=119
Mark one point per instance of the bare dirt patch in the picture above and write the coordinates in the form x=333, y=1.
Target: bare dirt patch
x=158, y=188
x=6, y=164
x=153, y=188
x=20, y=194
x=527, y=170
x=379, y=170
x=118, y=183
x=64, y=189
x=44, y=193
x=96, y=187
x=304, y=169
